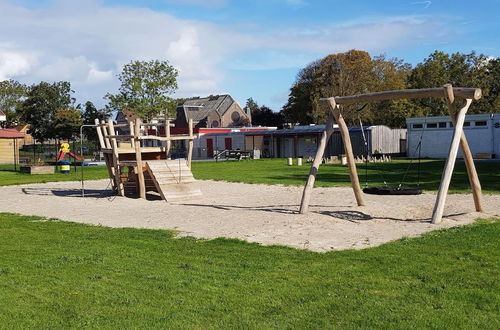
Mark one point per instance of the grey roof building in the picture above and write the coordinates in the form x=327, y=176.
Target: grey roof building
x=212, y=111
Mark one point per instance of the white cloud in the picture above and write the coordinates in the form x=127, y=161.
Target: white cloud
x=87, y=44
x=15, y=62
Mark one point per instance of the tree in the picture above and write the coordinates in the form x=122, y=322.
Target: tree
x=145, y=88
x=90, y=114
x=42, y=102
x=66, y=123
x=461, y=70
x=263, y=116
x=12, y=94
x=349, y=73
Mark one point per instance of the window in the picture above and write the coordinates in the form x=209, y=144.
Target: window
x=235, y=116
x=467, y=124
x=481, y=123
x=432, y=125
x=417, y=126
x=215, y=123
x=442, y=125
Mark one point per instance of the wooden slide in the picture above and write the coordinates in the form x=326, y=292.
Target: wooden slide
x=173, y=179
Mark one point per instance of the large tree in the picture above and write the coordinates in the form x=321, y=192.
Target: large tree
x=42, y=102
x=66, y=123
x=12, y=95
x=145, y=88
x=461, y=70
x=348, y=73
x=90, y=114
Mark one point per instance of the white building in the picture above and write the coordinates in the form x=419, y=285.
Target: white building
x=482, y=132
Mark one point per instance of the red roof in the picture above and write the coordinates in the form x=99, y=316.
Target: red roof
x=10, y=133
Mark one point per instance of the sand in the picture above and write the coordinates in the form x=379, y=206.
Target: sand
x=256, y=213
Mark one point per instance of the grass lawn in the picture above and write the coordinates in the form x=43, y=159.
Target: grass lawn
x=275, y=171
x=9, y=177
x=57, y=274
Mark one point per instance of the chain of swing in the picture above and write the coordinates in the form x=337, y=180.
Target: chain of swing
x=418, y=149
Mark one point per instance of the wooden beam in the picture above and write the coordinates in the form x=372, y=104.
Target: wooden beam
x=132, y=138
x=190, y=143
x=464, y=145
x=138, y=159
x=104, y=131
x=306, y=193
x=437, y=213
x=164, y=138
x=351, y=164
x=467, y=93
x=167, y=135
x=99, y=134
x=116, y=166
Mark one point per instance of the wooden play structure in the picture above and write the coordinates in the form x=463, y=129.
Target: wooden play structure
x=457, y=114
x=148, y=168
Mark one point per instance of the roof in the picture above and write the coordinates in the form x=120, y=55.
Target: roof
x=199, y=108
x=19, y=128
x=128, y=115
x=10, y=133
x=307, y=130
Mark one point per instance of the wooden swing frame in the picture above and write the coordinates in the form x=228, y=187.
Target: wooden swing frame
x=457, y=117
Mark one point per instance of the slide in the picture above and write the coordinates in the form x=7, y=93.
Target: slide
x=173, y=179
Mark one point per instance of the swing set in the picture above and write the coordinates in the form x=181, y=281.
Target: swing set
x=457, y=114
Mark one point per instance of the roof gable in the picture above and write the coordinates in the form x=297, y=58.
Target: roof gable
x=199, y=108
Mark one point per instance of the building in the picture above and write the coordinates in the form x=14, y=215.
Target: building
x=482, y=132
x=213, y=111
x=3, y=117
x=10, y=139
x=24, y=129
x=302, y=141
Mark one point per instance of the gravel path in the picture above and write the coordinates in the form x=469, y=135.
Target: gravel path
x=252, y=212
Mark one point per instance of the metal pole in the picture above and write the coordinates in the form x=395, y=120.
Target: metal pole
x=81, y=153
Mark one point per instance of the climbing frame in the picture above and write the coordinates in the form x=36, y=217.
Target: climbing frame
x=149, y=168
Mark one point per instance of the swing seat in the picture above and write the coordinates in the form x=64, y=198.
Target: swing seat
x=392, y=191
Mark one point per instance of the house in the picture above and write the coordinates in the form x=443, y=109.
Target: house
x=24, y=129
x=212, y=112
x=10, y=140
x=434, y=135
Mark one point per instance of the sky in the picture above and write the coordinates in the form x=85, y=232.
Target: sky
x=243, y=48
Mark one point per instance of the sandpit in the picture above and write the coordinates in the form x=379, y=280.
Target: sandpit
x=256, y=213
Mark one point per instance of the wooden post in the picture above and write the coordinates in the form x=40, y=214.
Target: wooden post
x=116, y=164
x=167, y=134
x=464, y=145
x=306, y=193
x=99, y=134
x=105, y=135
x=190, y=143
x=437, y=213
x=138, y=159
x=353, y=173
x=131, y=128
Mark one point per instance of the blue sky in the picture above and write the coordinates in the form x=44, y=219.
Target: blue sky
x=244, y=48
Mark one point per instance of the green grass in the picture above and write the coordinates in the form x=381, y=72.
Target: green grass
x=65, y=275
x=10, y=177
x=275, y=171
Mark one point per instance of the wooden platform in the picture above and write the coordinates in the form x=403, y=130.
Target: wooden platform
x=173, y=179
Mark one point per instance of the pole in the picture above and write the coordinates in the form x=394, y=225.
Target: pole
x=81, y=153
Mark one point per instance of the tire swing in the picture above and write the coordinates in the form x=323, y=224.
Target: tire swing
x=386, y=189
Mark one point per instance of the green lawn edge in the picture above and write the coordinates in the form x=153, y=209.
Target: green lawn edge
x=56, y=274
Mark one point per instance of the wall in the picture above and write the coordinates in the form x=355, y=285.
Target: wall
x=436, y=140
x=7, y=151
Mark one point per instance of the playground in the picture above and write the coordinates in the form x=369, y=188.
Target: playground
x=266, y=214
